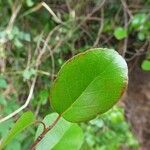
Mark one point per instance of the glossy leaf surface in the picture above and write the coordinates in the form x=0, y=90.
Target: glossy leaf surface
x=88, y=84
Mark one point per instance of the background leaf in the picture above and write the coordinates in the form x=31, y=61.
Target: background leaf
x=120, y=33
x=72, y=139
x=146, y=65
x=23, y=122
x=3, y=83
x=88, y=84
x=63, y=134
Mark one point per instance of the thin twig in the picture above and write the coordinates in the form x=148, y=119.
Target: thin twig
x=84, y=30
x=39, y=6
x=29, y=58
x=37, y=110
x=25, y=104
x=52, y=60
x=13, y=18
x=125, y=10
x=100, y=29
x=21, y=72
x=138, y=52
x=82, y=22
x=33, y=9
x=32, y=86
x=51, y=52
x=44, y=126
x=41, y=136
x=51, y=12
x=38, y=44
x=15, y=10
x=53, y=64
x=90, y=14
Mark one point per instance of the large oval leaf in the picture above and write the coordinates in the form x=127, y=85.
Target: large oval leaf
x=88, y=84
x=23, y=122
x=62, y=136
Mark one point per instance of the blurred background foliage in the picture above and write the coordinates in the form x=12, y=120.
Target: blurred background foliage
x=110, y=132
x=37, y=37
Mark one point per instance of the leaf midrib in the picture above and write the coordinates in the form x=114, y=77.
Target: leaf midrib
x=87, y=87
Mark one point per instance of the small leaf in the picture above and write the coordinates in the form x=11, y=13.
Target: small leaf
x=141, y=36
x=24, y=36
x=4, y=127
x=43, y=96
x=62, y=136
x=120, y=33
x=146, y=65
x=28, y=73
x=89, y=84
x=3, y=83
x=18, y=43
x=23, y=122
x=3, y=100
x=138, y=20
x=29, y=3
x=14, y=145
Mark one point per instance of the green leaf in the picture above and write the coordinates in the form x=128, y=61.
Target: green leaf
x=85, y=146
x=23, y=122
x=138, y=20
x=24, y=36
x=3, y=100
x=141, y=36
x=14, y=145
x=29, y=3
x=43, y=96
x=74, y=136
x=120, y=33
x=18, y=43
x=62, y=136
x=28, y=73
x=3, y=83
x=4, y=127
x=89, y=84
x=146, y=65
